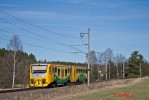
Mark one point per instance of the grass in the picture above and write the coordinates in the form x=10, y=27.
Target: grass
x=138, y=91
x=108, y=90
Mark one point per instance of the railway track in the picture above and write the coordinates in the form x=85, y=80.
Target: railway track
x=29, y=89
x=17, y=90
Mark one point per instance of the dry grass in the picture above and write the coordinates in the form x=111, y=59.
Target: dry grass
x=67, y=91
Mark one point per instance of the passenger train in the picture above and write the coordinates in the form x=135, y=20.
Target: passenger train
x=44, y=75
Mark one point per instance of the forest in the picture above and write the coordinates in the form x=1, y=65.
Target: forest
x=14, y=65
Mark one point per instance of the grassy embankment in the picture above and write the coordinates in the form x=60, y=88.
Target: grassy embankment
x=135, y=91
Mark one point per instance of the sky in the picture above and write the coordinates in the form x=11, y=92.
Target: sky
x=50, y=29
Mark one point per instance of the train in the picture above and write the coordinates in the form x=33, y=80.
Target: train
x=45, y=75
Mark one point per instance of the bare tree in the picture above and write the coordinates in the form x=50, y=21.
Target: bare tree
x=119, y=61
x=100, y=62
x=93, y=58
x=93, y=62
x=107, y=56
x=15, y=45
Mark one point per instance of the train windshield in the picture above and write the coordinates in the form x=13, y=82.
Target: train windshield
x=39, y=71
x=39, y=68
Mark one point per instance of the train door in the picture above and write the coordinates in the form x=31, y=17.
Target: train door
x=62, y=73
x=51, y=73
x=73, y=74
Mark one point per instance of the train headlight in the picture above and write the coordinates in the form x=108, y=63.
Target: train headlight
x=43, y=81
x=32, y=81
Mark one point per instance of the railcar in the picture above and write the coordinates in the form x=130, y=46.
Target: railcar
x=43, y=75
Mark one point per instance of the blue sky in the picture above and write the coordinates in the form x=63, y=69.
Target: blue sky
x=122, y=25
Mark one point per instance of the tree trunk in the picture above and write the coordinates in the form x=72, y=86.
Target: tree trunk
x=14, y=67
x=106, y=71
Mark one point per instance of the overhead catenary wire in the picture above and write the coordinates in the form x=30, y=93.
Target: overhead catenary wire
x=42, y=47
x=38, y=26
x=44, y=30
x=41, y=36
x=48, y=48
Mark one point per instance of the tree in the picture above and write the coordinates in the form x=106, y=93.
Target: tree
x=93, y=58
x=107, y=56
x=119, y=61
x=141, y=59
x=32, y=58
x=134, y=65
x=93, y=63
x=23, y=61
x=15, y=45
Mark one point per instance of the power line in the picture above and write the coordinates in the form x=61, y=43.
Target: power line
x=83, y=42
x=78, y=50
x=37, y=26
x=44, y=47
x=29, y=37
x=41, y=36
x=41, y=29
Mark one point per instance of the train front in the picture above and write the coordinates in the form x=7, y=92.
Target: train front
x=38, y=75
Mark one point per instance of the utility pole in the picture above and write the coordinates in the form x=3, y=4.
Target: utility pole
x=117, y=71
x=88, y=57
x=88, y=69
x=123, y=70
x=109, y=70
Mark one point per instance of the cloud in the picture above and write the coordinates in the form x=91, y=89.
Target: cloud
x=75, y=1
x=121, y=36
x=65, y=16
x=98, y=3
x=9, y=5
x=44, y=15
x=34, y=14
x=108, y=4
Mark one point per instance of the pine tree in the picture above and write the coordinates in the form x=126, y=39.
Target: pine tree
x=134, y=61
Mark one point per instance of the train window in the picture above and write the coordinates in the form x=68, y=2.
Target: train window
x=62, y=72
x=77, y=71
x=68, y=70
x=59, y=72
x=50, y=69
x=55, y=70
x=65, y=72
